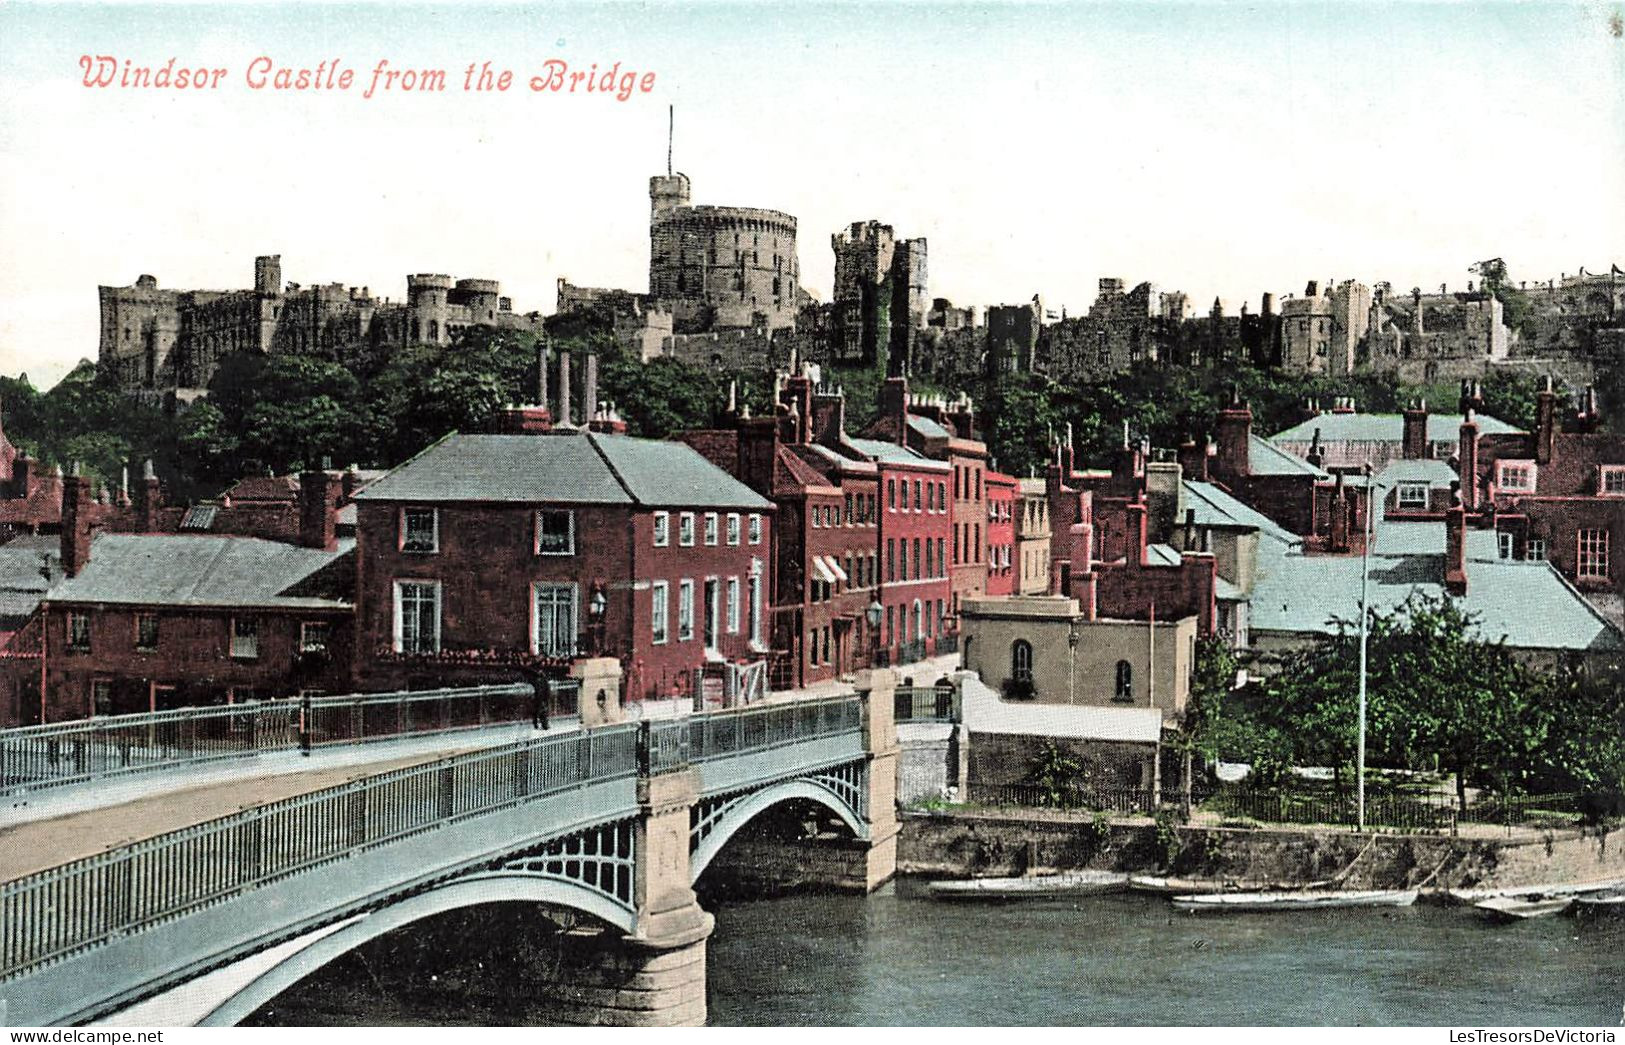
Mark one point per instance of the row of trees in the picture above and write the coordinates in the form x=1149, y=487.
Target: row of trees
x=1439, y=696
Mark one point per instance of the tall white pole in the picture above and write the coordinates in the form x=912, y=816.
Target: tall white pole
x=1365, y=628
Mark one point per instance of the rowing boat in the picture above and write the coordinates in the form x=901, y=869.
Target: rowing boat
x=1597, y=906
x=1518, y=908
x=1032, y=887
x=1552, y=889
x=1157, y=885
x=1306, y=900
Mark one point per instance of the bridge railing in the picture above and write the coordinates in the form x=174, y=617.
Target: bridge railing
x=71, y=752
x=927, y=704
x=54, y=913
x=677, y=742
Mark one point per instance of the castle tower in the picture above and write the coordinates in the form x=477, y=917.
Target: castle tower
x=268, y=275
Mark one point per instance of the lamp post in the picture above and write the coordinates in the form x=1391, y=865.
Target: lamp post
x=871, y=614
x=1371, y=493
x=596, y=606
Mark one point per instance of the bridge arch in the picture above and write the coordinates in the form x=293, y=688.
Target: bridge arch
x=228, y=996
x=733, y=814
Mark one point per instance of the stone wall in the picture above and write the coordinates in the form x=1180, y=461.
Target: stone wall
x=924, y=771
x=995, y=844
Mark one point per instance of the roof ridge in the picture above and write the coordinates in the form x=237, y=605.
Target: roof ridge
x=615, y=473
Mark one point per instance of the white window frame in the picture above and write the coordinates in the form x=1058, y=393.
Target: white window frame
x=1615, y=472
x=733, y=529
x=1410, y=495
x=1504, y=544
x=733, y=605
x=685, y=530
x=659, y=613
x=434, y=531
x=755, y=531
x=685, y=610
x=573, y=602
x=306, y=645
x=1534, y=549
x=77, y=622
x=712, y=530
x=244, y=647
x=662, y=525
x=400, y=620
x=570, y=534
x=1600, y=552
x=1502, y=470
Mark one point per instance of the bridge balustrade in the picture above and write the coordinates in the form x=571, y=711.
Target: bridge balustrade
x=54, y=913
x=926, y=704
x=71, y=752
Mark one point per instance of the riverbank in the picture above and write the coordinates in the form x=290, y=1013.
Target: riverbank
x=963, y=843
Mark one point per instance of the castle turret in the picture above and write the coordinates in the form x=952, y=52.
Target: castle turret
x=268, y=275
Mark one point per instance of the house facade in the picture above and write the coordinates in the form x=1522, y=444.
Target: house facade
x=487, y=555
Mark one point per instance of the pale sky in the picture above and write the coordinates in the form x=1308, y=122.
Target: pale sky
x=1221, y=149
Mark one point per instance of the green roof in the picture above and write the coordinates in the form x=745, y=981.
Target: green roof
x=1264, y=458
x=1413, y=470
x=891, y=453
x=1526, y=604
x=569, y=467
x=1214, y=507
x=1385, y=428
x=167, y=570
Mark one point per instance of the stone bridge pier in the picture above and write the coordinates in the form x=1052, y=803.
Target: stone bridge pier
x=655, y=975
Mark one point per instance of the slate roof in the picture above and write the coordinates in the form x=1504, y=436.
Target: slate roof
x=1411, y=470
x=1264, y=458
x=1214, y=507
x=1385, y=428
x=891, y=453
x=162, y=570
x=927, y=427
x=563, y=468
x=1527, y=604
x=28, y=567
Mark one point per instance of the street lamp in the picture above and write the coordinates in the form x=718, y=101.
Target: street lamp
x=871, y=613
x=1372, y=492
x=596, y=606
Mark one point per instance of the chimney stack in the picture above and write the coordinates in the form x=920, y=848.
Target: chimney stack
x=894, y=405
x=1590, y=417
x=318, y=514
x=1455, y=549
x=1193, y=460
x=1235, y=424
x=75, y=543
x=589, y=391
x=541, y=373
x=150, y=498
x=1545, y=423
x=1467, y=462
x=564, y=388
x=1317, y=453
x=1340, y=517
x=1415, y=443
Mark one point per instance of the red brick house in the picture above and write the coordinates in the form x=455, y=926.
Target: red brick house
x=1002, y=504
x=826, y=531
x=144, y=622
x=487, y=552
x=945, y=431
x=916, y=525
x=1555, y=495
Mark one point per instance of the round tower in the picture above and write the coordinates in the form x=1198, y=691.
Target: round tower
x=427, y=298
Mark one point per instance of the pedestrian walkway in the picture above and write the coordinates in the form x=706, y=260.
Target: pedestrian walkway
x=55, y=803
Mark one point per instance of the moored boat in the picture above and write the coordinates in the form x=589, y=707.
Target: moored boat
x=1305, y=900
x=1552, y=889
x=1592, y=907
x=1160, y=886
x=1518, y=908
x=1031, y=887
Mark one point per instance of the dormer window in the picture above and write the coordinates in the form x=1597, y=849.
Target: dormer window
x=1515, y=476
x=1412, y=496
x=555, y=532
x=420, y=530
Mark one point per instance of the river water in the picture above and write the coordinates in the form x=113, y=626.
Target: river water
x=899, y=958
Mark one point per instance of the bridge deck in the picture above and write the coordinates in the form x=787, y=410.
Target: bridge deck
x=173, y=800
